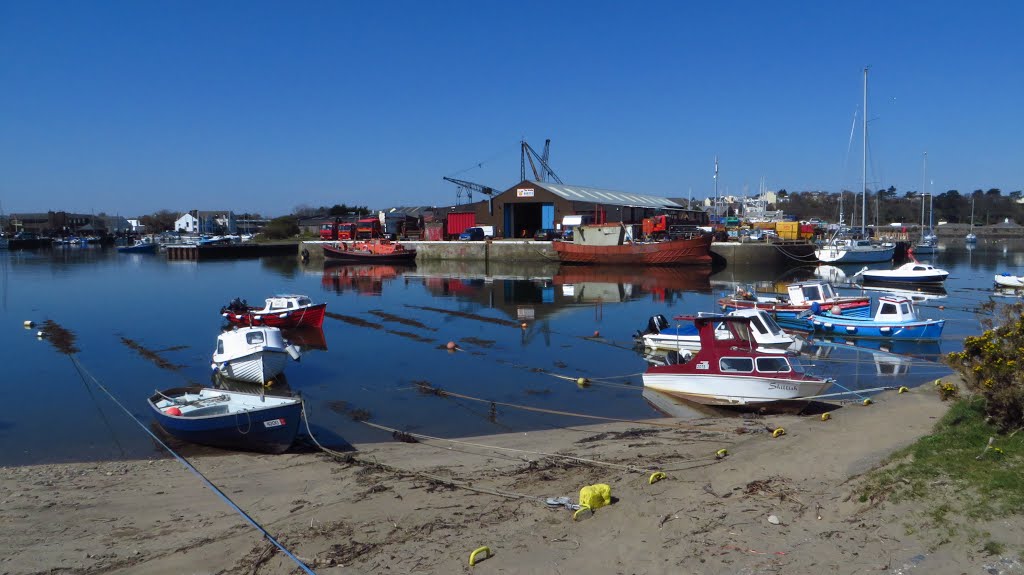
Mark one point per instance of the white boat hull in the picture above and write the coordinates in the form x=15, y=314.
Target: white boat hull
x=844, y=255
x=1010, y=281
x=668, y=342
x=258, y=367
x=733, y=390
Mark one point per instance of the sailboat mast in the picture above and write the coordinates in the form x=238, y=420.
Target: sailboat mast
x=864, y=164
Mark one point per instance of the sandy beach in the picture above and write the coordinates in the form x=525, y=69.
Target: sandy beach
x=786, y=504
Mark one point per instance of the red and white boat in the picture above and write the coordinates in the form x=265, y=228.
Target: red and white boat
x=607, y=244
x=730, y=370
x=281, y=311
x=802, y=298
x=375, y=251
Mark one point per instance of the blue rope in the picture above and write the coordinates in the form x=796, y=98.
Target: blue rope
x=82, y=372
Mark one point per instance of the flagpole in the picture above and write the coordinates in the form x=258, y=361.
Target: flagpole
x=718, y=215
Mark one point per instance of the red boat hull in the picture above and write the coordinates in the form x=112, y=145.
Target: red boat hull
x=312, y=316
x=368, y=256
x=692, y=251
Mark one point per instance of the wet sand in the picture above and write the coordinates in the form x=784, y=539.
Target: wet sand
x=389, y=507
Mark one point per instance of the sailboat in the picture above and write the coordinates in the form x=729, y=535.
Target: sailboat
x=849, y=250
x=970, y=238
x=928, y=242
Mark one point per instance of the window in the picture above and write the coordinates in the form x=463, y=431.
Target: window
x=745, y=364
x=756, y=322
x=888, y=308
x=811, y=293
x=772, y=364
x=220, y=346
x=905, y=308
x=254, y=338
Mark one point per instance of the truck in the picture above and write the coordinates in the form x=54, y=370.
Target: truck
x=368, y=228
x=339, y=229
x=662, y=226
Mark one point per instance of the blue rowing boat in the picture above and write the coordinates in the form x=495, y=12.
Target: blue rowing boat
x=229, y=419
x=895, y=318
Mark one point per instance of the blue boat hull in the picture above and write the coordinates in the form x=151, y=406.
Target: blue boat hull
x=826, y=324
x=918, y=280
x=141, y=249
x=793, y=320
x=270, y=430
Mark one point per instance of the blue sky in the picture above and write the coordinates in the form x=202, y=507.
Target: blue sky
x=130, y=107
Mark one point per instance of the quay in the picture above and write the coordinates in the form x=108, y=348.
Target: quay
x=193, y=252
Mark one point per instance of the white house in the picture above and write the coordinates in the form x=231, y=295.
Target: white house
x=187, y=223
x=207, y=222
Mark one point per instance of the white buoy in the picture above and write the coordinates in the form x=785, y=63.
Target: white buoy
x=40, y=334
x=28, y=323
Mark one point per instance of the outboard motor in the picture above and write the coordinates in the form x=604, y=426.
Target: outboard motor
x=654, y=325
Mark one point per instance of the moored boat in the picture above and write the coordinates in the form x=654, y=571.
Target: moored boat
x=608, y=244
x=143, y=246
x=369, y=251
x=228, y=419
x=255, y=354
x=732, y=371
x=660, y=335
x=801, y=296
x=908, y=273
x=284, y=311
x=1009, y=280
x=895, y=318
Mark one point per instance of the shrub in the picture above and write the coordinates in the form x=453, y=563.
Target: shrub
x=281, y=228
x=989, y=364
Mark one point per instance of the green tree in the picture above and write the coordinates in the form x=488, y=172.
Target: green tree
x=281, y=228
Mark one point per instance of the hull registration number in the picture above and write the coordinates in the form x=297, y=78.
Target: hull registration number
x=274, y=422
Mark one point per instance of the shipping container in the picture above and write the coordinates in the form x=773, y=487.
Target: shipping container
x=788, y=230
x=458, y=222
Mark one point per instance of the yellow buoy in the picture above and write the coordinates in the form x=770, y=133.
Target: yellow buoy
x=903, y=389
x=826, y=416
x=655, y=477
x=582, y=381
x=867, y=401
x=778, y=432
x=472, y=556
x=721, y=453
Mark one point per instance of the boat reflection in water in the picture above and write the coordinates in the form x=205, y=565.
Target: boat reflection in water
x=888, y=357
x=622, y=283
x=307, y=338
x=277, y=387
x=362, y=279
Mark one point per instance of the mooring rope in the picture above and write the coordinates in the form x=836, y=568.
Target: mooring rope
x=82, y=372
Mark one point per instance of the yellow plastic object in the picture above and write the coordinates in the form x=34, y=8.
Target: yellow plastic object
x=595, y=496
x=903, y=389
x=867, y=401
x=826, y=416
x=655, y=477
x=778, y=432
x=582, y=509
x=721, y=453
x=472, y=556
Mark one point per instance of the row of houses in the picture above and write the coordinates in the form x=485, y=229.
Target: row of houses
x=58, y=224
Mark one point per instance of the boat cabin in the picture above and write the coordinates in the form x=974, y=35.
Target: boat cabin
x=805, y=293
x=286, y=302
x=895, y=309
x=239, y=342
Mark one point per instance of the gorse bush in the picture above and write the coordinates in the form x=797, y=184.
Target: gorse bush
x=991, y=364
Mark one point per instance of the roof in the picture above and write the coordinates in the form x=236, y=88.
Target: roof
x=609, y=197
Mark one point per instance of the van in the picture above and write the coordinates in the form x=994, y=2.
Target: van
x=472, y=235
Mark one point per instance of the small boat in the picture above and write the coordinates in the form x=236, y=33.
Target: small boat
x=732, y=371
x=895, y=318
x=908, y=273
x=255, y=354
x=801, y=296
x=369, y=251
x=284, y=311
x=228, y=419
x=970, y=238
x=854, y=251
x=144, y=246
x=659, y=335
x=607, y=244
x=1010, y=281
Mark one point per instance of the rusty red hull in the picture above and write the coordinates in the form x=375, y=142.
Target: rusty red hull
x=692, y=251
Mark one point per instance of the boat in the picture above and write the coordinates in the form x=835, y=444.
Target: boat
x=608, y=244
x=732, y=371
x=970, y=238
x=660, y=335
x=1009, y=281
x=229, y=419
x=895, y=318
x=284, y=311
x=909, y=273
x=369, y=251
x=801, y=296
x=143, y=246
x=849, y=250
x=256, y=354
x=929, y=242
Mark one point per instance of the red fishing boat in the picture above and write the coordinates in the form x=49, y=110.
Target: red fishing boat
x=729, y=369
x=282, y=311
x=368, y=252
x=607, y=244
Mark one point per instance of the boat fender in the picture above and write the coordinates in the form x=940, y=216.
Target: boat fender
x=836, y=310
x=778, y=432
x=486, y=551
x=172, y=411
x=305, y=255
x=294, y=352
x=656, y=477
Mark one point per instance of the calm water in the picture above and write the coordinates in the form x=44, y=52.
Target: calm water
x=389, y=333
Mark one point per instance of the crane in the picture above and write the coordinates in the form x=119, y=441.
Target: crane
x=528, y=153
x=470, y=187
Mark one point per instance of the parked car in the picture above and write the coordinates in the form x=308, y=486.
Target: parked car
x=472, y=235
x=547, y=235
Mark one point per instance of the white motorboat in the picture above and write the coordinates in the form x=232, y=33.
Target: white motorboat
x=660, y=335
x=1009, y=281
x=255, y=354
x=908, y=273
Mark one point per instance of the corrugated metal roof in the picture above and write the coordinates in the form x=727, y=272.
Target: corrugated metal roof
x=608, y=197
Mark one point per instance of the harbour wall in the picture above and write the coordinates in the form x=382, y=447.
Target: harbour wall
x=505, y=251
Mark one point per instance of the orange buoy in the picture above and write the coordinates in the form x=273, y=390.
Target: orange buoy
x=523, y=325
x=451, y=345
x=597, y=333
x=172, y=411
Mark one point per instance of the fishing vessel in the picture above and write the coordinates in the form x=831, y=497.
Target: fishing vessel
x=609, y=244
x=730, y=370
x=369, y=252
